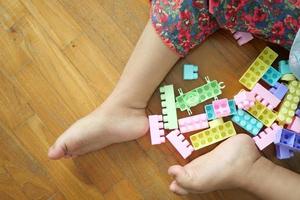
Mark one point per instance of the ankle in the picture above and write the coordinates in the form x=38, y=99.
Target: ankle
x=125, y=100
x=256, y=173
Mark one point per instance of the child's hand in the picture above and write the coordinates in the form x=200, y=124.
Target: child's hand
x=224, y=167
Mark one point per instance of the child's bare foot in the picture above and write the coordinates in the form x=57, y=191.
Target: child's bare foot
x=224, y=167
x=108, y=124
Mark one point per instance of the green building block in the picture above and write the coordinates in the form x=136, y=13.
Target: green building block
x=168, y=107
x=198, y=95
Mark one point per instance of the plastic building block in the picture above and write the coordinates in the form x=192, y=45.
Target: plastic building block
x=221, y=107
x=263, y=114
x=283, y=152
x=284, y=67
x=157, y=132
x=267, y=117
x=244, y=100
x=289, y=141
x=289, y=105
x=256, y=70
x=212, y=135
x=193, y=123
x=198, y=95
x=180, y=143
x=296, y=145
x=268, y=56
x=271, y=76
x=288, y=77
x=242, y=37
x=265, y=96
x=298, y=112
x=209, y=110
x=295, y=125
x=215, y=122
x=168, y=107
x=190, y=72
x=267, y=136
x=232, y=106
x=279, y=90
x=256, y=110
x=247, y=122
x=285, y=137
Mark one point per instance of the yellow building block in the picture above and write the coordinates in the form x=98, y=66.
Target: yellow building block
x=215, y=122
x=267, y=117
x=289, y=105
x=212, y=135
x=263, y=114
x=268, y=55
x=256, y=70
x=257, y=109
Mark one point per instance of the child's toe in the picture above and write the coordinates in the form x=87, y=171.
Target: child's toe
x=174, y=187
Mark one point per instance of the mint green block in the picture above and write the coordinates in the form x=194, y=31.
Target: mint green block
x=198, y=95
x=167, y=97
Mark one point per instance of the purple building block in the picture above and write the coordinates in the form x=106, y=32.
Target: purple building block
x=279, y=90
x=298, y=112
x=296, y=145
x=283, y=152
x=286, y=142
x=287, y=137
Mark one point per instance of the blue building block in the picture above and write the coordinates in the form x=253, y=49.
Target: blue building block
x=190, y=72
x=283, y=152
x=232, y=106
x=279, y=90
x=271, y=76
x=209, y=110
x=247, y=122
x=284, y=67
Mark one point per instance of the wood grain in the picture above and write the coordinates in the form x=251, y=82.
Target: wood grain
x=59, y=60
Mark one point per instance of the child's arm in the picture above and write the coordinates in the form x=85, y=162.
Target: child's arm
x=236, y=163
x=270, y=181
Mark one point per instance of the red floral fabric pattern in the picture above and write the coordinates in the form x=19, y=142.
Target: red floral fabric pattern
x=183, y=24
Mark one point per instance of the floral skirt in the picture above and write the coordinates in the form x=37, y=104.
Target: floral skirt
x=183, y=24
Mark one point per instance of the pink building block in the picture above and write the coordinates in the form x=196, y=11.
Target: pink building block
x=221, y=107
x=156, y=129
x=295, y=125
x=265, y=96
x=267, y=136
x=180, y=143
x=193, y=123
x=244, y=100
x=242, y=37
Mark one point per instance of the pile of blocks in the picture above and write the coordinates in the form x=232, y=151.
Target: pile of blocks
x=268, y=109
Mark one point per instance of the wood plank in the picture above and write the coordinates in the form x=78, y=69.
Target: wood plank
x=92, y=65
x=61, y=27
x=12, y=57
x=14, y=107
x=10, y=12
x=101, y=29
x=20, y=170
x=35, y=136
x=123, y=189
x=51, y=63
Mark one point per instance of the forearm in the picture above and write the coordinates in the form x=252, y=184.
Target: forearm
x=149, y=63
x=270, y=181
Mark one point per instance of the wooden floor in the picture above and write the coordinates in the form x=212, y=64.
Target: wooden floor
x=59, y=59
